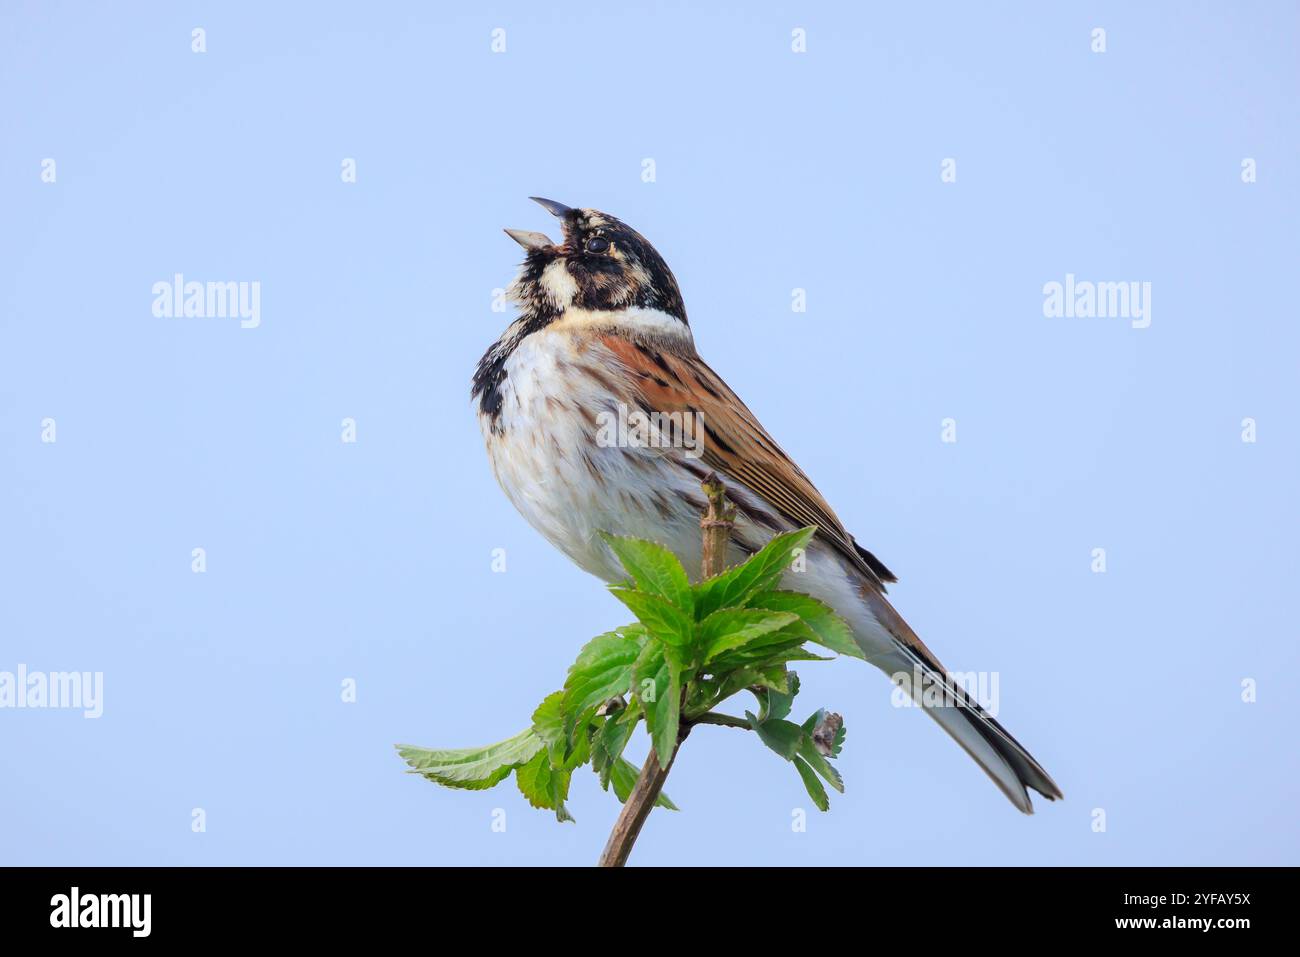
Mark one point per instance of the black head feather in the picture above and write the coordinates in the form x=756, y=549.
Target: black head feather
x=614, y=266
x=606, y=266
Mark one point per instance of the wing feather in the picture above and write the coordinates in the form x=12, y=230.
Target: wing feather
x=736, y=445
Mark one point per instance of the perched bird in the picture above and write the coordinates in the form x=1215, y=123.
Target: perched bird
x=602, y=342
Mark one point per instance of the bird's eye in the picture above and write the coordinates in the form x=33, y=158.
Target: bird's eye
x=597, y=244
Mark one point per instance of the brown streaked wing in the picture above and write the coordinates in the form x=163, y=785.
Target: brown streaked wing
x=735, y=444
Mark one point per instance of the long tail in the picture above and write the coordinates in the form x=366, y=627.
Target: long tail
x=1003, y=758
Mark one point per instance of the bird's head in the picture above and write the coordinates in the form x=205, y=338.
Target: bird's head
x=602, y=266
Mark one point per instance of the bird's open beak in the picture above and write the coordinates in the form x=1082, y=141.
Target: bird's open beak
x=530, y=240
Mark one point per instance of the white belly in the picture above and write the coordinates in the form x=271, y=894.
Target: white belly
x=569, y=487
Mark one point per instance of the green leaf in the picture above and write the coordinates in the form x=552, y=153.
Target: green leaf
x=545, y=787
x=472, y=768
x=774, y=704
x=548, y=725
x=634, y=711
x=783, y=737
x=664, y=620
x=607, y=746
x=602, y=671
x=809, y=753
x=813, y=720
x=623, y=777
x=814, y=787
x=771, y=649
x=736, y=585
x=654, y=568
x=827, y=628
x=784, y=655
x=664, y=720
x=650, y=673
x=731, y=628
x=823, y=737
x=773, y=676
x=656, y=673
x=580, y=753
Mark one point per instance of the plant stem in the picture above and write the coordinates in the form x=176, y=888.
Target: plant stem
x=639, y=804
x=719, y=518
x=716, y=524
x=723, y=720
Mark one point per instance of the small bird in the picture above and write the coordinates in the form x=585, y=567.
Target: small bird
x=599, y=415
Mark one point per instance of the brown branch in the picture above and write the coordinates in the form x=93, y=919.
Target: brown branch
x=638, y=806
x=716, y=525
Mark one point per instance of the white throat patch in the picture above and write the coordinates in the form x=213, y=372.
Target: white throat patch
x=559, y=286
x=634, y=321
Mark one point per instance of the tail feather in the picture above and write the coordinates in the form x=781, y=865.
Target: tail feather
x=995, y=764
x=1003, y=758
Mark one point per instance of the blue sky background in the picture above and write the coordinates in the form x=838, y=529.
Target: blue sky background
x=775, y=170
